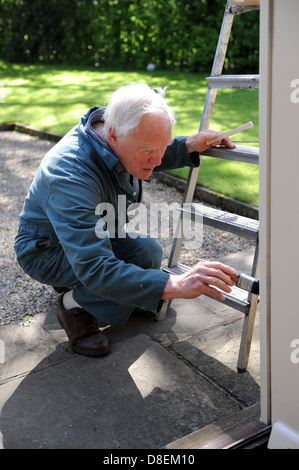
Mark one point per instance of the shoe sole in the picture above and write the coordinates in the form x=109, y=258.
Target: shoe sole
x=105, y=352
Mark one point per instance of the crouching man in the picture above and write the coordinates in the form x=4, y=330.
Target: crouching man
x=64, y=242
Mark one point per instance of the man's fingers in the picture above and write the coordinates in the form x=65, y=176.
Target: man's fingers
x=206, y=277
x=222, y=267
x=214, y=272
x=217, y=282
x=214, y=293
x=216, y=264
x=228, y=143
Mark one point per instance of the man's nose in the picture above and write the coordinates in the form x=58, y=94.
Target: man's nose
x=156, y=157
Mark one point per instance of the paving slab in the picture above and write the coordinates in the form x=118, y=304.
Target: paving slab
x=214, y=353
x=24, y=349
x=140, y=396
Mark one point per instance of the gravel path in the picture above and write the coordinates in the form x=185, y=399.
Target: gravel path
x=20, y=155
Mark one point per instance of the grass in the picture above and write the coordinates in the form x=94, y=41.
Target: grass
x=53, y=98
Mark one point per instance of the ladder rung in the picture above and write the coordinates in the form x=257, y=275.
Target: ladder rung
x=237, y=298
x=240, y=153
x=238, y=224
x=243, y=3
x=239, y=7
x=234, y=81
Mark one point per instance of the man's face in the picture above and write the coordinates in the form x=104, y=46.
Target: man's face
x=143, y=149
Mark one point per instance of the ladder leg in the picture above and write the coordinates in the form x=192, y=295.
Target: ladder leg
x=161, y=315
x=248, y=326
x=249, y=320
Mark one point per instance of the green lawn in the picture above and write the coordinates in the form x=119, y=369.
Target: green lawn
x=54, y=97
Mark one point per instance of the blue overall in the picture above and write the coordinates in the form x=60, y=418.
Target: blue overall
x=112, y=274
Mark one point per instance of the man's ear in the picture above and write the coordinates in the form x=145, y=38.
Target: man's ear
x=112, y=137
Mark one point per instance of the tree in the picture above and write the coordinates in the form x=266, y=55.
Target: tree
x=125, y=33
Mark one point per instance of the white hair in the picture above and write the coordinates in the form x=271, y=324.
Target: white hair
x=129, y=103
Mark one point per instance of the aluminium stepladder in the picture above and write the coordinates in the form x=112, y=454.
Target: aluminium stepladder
x=239, y=225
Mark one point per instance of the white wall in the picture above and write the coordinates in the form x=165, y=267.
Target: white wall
x=279, y=219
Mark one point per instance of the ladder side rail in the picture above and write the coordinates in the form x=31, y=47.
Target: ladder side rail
x=177, y=243
x=217, y=66
x=223, y=40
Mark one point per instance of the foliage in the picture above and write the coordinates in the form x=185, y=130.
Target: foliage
x=125, y=34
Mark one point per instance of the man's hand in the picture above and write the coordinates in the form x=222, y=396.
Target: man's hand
x=198, y=142
x=199, y=280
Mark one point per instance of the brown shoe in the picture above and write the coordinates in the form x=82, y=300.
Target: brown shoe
x=83, y=332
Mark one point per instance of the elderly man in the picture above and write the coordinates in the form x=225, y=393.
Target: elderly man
x=63, y=240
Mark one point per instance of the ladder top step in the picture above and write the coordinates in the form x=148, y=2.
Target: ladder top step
x=234, y=81
x=244, y=3
x=243, y=6
x=240, y=153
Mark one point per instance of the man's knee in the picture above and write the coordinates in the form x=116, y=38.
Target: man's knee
x=143, y=251
x=138, y=249
x=151, y=254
